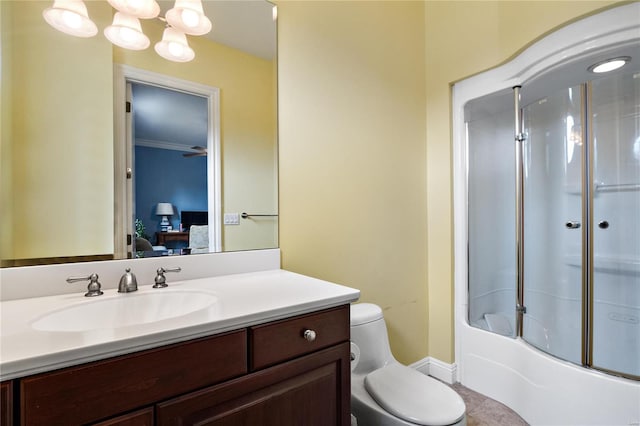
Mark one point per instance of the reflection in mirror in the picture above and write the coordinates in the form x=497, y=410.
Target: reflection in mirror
x=170, y=127
x=163, y=184
x=59, y=139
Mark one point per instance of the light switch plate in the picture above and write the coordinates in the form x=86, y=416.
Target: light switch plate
x=232, y=218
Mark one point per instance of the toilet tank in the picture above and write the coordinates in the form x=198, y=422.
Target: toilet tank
x=369, y=335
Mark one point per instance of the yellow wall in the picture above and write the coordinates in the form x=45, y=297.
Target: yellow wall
x=353, y=154
x=248, y=143
x=365, y=144
x=59, y=136
x=6, y=151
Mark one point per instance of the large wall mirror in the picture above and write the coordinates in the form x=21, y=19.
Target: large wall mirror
x=196, y=159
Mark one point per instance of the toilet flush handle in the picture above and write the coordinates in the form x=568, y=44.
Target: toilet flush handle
x=309, y=335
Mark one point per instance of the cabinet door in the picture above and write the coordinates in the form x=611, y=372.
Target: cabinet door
x=6, y=403
x=311, y=390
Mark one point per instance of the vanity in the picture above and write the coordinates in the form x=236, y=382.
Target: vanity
x=267, y=347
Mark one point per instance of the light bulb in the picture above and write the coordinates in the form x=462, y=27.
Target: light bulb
x=127, y=34
x=71, y=19
x=190, y=18
x=175, y=49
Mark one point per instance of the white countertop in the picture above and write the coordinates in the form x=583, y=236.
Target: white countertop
x=243, y=300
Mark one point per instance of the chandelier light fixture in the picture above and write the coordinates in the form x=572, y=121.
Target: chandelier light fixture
x=186, y=17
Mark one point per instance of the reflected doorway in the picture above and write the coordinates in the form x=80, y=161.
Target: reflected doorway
x=167, y=164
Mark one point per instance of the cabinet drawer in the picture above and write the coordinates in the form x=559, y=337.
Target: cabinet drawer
x=282, y=340
x=100, y=389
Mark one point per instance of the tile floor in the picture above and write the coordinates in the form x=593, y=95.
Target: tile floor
x=484, y=411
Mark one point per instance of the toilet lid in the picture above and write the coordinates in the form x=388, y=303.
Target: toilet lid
x=414, y=397
x=362, y=313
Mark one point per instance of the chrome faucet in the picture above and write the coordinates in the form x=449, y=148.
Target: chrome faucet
x=93, y=289
x=128, y=282
x=161, y=280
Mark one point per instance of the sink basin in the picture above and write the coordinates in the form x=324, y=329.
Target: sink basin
x=124, y=310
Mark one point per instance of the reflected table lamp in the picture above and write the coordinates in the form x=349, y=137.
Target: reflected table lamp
x=164, y=210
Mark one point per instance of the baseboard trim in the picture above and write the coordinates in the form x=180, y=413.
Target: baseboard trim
x=435, y=368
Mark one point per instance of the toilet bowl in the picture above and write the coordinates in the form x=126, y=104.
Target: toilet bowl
x=387, y=393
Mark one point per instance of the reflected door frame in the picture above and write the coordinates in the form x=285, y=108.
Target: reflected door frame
x=123, y=150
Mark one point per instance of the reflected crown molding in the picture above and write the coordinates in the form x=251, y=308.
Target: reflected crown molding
x=163, y=145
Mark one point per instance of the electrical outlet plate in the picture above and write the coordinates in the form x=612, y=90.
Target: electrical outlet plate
x=232, y=218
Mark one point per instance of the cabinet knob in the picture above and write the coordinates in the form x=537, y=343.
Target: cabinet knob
x=309, y=335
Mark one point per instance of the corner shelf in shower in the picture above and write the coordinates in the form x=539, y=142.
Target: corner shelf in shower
x=607, y=263
x=604, y=187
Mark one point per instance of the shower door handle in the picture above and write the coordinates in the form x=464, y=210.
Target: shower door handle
x=572, y=224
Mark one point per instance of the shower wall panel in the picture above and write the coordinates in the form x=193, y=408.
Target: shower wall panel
x=492, y=262
x=616, y=232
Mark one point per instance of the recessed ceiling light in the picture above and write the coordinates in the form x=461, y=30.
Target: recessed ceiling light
x=609, y=64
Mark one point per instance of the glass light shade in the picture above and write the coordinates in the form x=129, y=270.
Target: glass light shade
x=609, y=65
x=70, y=17
x=188, y=17
x=143, y=9
x=126, y=32
x=164, y=209
x=174, y=46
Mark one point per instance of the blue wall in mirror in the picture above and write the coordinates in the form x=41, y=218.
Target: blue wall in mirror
x=164, y=175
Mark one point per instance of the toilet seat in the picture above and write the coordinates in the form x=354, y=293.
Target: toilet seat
x=414, y=397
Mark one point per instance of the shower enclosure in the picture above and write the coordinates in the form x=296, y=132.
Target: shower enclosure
x=547, y=215
x=565, y=184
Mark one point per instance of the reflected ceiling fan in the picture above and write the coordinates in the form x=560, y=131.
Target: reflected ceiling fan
x=200, y=152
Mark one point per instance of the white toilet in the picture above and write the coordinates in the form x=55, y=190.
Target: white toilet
x=387, y=393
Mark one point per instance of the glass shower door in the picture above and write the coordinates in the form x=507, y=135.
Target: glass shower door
x=615, y=116
x=552, y=195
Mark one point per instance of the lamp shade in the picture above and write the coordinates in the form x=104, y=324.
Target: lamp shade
x=174, y=46
x=188, y=17
x=164, y=209
x=70, y=17
x=126, y=32
x=143, y=9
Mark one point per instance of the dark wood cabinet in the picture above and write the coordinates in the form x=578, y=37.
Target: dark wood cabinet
x=102, y=389
x=271, y=374
x=311, y=390
x=6, y=403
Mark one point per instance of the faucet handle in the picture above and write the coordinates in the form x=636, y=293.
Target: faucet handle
x=161, y=280
x=93, y=289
